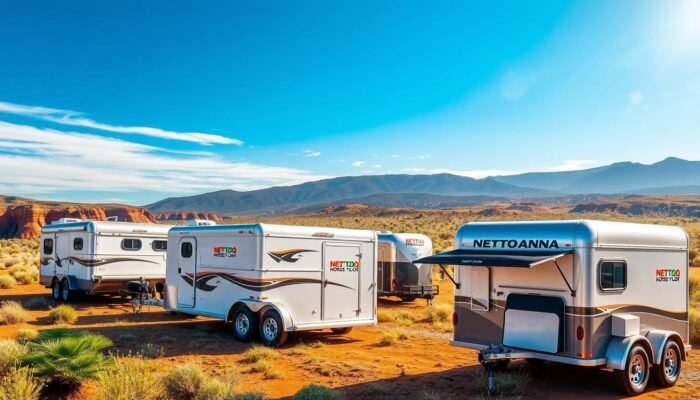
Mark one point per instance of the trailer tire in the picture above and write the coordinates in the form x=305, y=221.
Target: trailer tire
x=342, y=331
x=67, y=293
x=667, y=372
x=634, y=378
x=272, y=331
x=244, y=323
x=56, y=290
x=408, y=299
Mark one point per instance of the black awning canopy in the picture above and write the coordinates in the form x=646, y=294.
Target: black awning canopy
x=493, y=258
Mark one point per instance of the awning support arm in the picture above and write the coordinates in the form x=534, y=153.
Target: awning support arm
x=573, y=292
x=442, y=267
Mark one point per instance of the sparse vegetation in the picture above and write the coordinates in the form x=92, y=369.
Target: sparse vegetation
x=26, y=334
x=131, y=378
x=189, y=382
x=267, y=368
x=149, y=350
x=63, y=314
x=439, y=313
x=10, y=351
x=12, y=312
x=36, y=303
x=257, y=353
x=316, y=392
x=19, y=384
x=390, y=337
x=248, y=396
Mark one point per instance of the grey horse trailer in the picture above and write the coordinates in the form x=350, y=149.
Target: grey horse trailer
x=585, y=293
x=397, y=275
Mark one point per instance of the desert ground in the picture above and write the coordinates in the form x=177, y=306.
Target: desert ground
x=406, y=355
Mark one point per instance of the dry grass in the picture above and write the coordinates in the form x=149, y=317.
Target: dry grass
x=7, y=282
x=12, y=312
x=10, y=351
x=189, y=382
x=19, y=384
x=257, y=353
x=389, y=337
x=26, y=334
x=130, y=378
x=267, y=368
x=63, y=314
x=438, y=313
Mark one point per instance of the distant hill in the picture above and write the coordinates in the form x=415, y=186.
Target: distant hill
x=670, y=176
x=666, y=206
x=290, y=198
x=423, y=201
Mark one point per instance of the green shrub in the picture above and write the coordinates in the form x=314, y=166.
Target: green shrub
x=63, y=314
x=26, y=334
x=10, y=351
x=257, y=353
x=7, y=282
x=130, y=379
x=438, y=313
x=12, y=312
x=19, y=384
x=316, y=392
x=189, y=382
x=69, y=359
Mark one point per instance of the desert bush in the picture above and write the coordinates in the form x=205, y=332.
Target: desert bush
x=267, y=368
x=189, y=382
x=12, y=312
x=10, y=351
x=26, y=334
x=694, y=323
x=404, y=318
x=67, y=359
x=388, y=338
x=247, y=396
x=510, y=383
x=19, y=384
x=257, y=353
x=316, y=392
x=36, y=303
x=63, y=314
x=149, y=350
x=374, y=389
x=438, y=313
x=130, y=379
x=384, y=315
x=7, y=282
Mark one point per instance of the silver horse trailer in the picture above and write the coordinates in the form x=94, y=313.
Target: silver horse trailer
x=586, y=293
x=396, y=273
x=84, y=256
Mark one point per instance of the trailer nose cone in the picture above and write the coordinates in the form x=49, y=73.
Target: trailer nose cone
x=580, y=333
x=455, y=319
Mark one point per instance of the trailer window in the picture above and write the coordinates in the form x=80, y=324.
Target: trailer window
x=48, y=246
x=612, y=275
x=160, y=245
x=78, y=244
x=131, y=244
x=186, y=250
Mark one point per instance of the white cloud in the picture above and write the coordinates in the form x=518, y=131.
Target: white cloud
x=311, y=153
x=572, y=165
x=394, y=156
x=73, y=118
x=41, y=161
x=377, y=166
x=636, y=98
x=358, y=163
x=516, y=84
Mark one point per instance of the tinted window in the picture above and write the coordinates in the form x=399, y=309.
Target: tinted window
x=78, y=244
x=613, y=275
x=48, y=246
x=131, y=244
x=160, y=245
x=186, y=250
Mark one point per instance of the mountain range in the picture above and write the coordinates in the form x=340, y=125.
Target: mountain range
x=670, y=176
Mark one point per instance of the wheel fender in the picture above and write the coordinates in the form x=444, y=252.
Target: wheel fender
x=73, y=282
x=619, y=348
x=284, y=314
x=657, y=340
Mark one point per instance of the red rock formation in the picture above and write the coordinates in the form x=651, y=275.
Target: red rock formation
x=186, y=216
x=25, y=220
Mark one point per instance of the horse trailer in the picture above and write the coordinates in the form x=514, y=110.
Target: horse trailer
x=83, y=256
x=269, y=280
x=586, y=293
x=397, y=275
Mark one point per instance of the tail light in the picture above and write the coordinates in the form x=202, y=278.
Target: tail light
x=455, y=319
x=580, y=333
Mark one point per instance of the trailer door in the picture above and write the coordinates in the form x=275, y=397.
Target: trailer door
x=186, y=268
x=386, y=260
x=62, y=252
x=341, y=280
x=481, y=287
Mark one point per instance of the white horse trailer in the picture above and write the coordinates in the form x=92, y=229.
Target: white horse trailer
x=81, y=256
x=396, y=273
x=586, y=293
x=273, y=279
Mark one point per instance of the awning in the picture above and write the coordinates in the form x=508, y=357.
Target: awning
x=493, y=258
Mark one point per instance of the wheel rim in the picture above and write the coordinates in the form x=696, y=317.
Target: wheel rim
x=637, y=371
x=242, y=324
x=66, y=291
x=270, y=329
x=56, y=291
x=671, y=363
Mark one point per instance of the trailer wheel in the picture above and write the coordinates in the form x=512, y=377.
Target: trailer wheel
x=56, y=290
x=272, y=331
x=66, y=292
x=244, y=323
x=408, y=299
x=341, y=331
x=666, y=374
x=634, y=378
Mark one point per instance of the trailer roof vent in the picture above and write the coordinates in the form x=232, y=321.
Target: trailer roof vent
x=66, y=221
x=200, y=222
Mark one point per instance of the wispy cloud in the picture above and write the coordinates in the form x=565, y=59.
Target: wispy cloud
x=572, y=165
x=41, y=161
x=358, y=163
x=311, y=153
x=73, y=118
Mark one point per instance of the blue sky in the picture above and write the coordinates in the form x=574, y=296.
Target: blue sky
x=135, y=101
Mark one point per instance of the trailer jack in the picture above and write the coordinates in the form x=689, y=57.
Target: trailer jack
x=495, y=358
